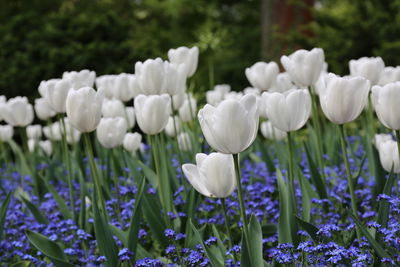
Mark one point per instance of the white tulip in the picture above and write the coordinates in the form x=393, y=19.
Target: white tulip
x=187, y=111
x=56, y=94
x=304, y=67
x=389, y=75
x=282, y=83
x=214, y=97
x=46, y=146
x=123, y=89
x=368, y=67
x=176, y=79
x=151, y=76
x=389, y=156
x=6, y=133
x=132, y=142
x=113, y=108
x=43, y=109
x=111, y=131
x=222, y=88
x=270, y=132
x=262, y=75
x=18, y=112
x=213, y=175
x=386, y=102
x=80, y=79
x=184, y=142
x=53, y=132
x=170, y=128
x=130, y=116
x=186, y=56
x=32, y=143
x=34, y=131
x=288, y=111
x=381, y=138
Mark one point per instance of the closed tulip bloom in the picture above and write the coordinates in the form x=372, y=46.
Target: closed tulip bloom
x=232, y=126
x=84, y=108
x=288, y=111
x=106, y=83
x=152, y=112
x=34, y=131
x=386, y=102
x=46, y=146
x=57, y=91
x=73, y=135
x=187, y=56
x=178, y=100
x=176, y=79
x=389, y=75
x=343, y=98
x=6, y=133
x=304, y=67
x=32, y=143
x=130, y=116
x=233, y=95
x=389, y=156
x=368, y=67
x=151, y=76
x=111, y=131
x=18, y=112
x=43, y=109
x=113, y=108
x=3, y=102
x=187, y=111
x=53, y=132
x=184, y=142
x=170, y=128
x=213, y=175
x=262, y=75
x=214, y=97
x=381, y=138
x=270, y=132
x=252, y=91
x=80, y=79
x=123, y=89
x=132, y=142
x=222, y=88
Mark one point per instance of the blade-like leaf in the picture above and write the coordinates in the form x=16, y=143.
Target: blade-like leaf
x=35, y=211
x=21, y=264
x=307, y=193
x=3, y=212
x=153, y=216
x=49, y=248
x=60, y=201
x=255, y=242
x=285, y=208
x=309, y=228
x=315, y=175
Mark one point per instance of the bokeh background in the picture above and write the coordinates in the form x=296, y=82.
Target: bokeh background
x=40, y=39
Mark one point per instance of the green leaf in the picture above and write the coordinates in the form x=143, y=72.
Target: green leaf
x=35, y=211
x=21, y=264
x=60, y=201
x=120, y=234
x=104, y=238
x=135, y=220
x=307, y=193
x=49, y=248
x=255, y=242
x=380, y=173
x=268, y=229
x=309, y=228
x=153, y=215
x=215, y=261
x=3, y=212
x=21, y=157
x=384, y=207
x=285, y=211
x=315, y=175
x=380, y=251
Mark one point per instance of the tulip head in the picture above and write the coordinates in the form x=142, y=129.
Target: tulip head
x=213, y=175
x=6, y=133
x=111, y=131
x=170, y=128
x=188, y=57
x=151, y=76
x=262, y=75
x=386, y=102
x=232, y=126
x=132, y=142
x=270, y=132
x=389, y=156
x=18, y=112
x=152, y=112
x=46, y=146
x=288, y=111
x=113, y=108
x=34, y=131
x=368, y=67
x=389, y=75
x=43, y=109
x=304, y=67
x=84, y=108
x=184, y=142
x=80, y=79
x=188, y=109
x=343, y=98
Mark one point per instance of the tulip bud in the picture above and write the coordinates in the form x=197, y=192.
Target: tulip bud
x=123, y=89
x=113, y=108
x=187, y=111
x=233, y=95
x=232, y=126
x=386, y=102
x=343, y=98
x=213, y=175
x=214, y=97
x=111, y=131
x=43, y=109
x=6, y=133
x=32, y=143
x=18, y=112
x=368, y=67
x=270, y=132
x=170, y=128
x=282, y=83
x=3, y=102
x=132, y=142
x=188, y=57
x=184, y=142
x=176, y=79
x=53, y=132
x=151, y=76
x=222, y=88
x=130, y=116
x=152, y=112
x=83, y=78
x=106, y=83
x=288, y=111
x=304, y=67
x=389, y=75
x=262, y=75
x=73, y=135
x=46, y=146
x=389, y=156
x=84, y=108
x=57, y=91
x=34, y=131
x=178, y=100
x=381, y=138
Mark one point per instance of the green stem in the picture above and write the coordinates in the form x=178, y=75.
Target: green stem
x=228, y=229
x=69, y=166
x=349, y=176
x=95, y=173
x=117, y=205
x=398, y=148
x=291, y=173
x=241, y=199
